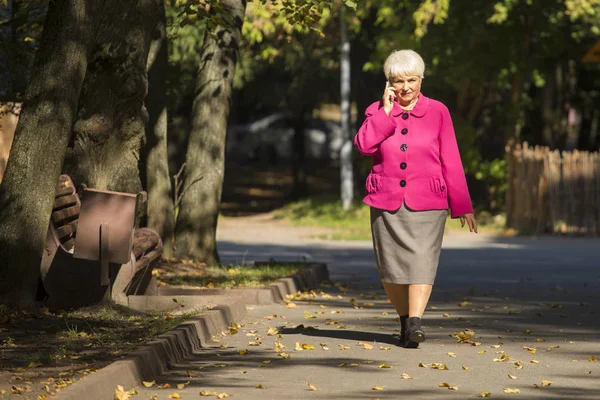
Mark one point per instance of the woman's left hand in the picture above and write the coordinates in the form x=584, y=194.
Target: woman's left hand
x=470, y=220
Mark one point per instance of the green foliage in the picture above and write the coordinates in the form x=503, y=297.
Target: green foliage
x=326, y=213
x=492, y=173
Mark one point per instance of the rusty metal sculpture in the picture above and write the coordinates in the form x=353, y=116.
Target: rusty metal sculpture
x=94, y=251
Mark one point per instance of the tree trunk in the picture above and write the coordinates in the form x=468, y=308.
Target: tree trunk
x=111, y=120
x=40, y=143
x=154, y=160
x=298, y=151
x=346, y=175
x=196, y=225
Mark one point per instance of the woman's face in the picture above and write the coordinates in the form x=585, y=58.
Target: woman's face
x=407, y=88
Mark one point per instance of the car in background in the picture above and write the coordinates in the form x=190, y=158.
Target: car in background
x=270, y=139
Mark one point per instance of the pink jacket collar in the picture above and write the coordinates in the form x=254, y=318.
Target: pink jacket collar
x=419, y=110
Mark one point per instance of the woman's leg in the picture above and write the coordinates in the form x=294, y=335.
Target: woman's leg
x=418, y=296
x=398, y=295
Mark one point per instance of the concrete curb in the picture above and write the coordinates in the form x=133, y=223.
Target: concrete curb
x=308, y=277
x=153, y=359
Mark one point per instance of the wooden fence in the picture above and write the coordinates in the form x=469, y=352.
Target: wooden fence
x=553, y=192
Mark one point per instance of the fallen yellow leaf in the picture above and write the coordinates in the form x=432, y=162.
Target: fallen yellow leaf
x=272, y=331
x=222, y=395
x=308, y=346
x=367, y=346
x=485, y=394
x=546, y=383
x=592, y=359
x=422, y=365
x=175, y=396
x=509, y=390
x=512, y=376
x=377, y=387
x=149, y=384
x=312, y=387
x=120, y=393
x=192, y=374
x=243, y=352
x=439, y=366
x=385, y=366
x=165, y=386
x=405, y=376
x=207, y=393
x=291, y=305
x=534, y=361
x=518, y=365
x=447, y=385
x=465, y=367
x=452, y=354
x=260, y=386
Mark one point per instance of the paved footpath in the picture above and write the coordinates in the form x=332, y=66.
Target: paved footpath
x=506, y=315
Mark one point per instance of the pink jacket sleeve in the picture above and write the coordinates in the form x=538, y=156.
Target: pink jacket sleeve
x=377, y=127
x=452, y=169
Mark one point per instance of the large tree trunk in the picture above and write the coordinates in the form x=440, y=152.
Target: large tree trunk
x=112, y=118
x=199, y=208
x=154, y=161
x=38, y=150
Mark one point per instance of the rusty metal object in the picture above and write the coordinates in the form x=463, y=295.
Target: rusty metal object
x=93, y=250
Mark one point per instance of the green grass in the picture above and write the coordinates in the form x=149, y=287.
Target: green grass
x=325, y=212
x=223, y=277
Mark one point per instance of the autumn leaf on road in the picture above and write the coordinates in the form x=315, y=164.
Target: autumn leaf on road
x=509, y=390
x=121, y=394
x=485, y=394
x=447, y=385
x=272, y=331
x=222, y=395
x=512, y=376
x=384, y=366
x=148, y=384
x=175, y=396
x=312, y=387
x=377, y=387
x=592, y=359
x=260, y=386
x=192, y=374
x=208, y=393
x=405, y=376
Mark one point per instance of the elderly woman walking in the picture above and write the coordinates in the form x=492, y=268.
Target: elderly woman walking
x=417, y=175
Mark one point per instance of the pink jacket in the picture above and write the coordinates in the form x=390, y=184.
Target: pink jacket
x=415, y=159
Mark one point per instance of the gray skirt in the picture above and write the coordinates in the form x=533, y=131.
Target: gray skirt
x=407, y=244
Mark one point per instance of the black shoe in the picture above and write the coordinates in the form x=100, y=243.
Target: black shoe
x=404, y=342
x=414, y=331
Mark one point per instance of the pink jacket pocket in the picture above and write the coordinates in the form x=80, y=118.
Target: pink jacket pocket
x=438, y=186
x=373, y=183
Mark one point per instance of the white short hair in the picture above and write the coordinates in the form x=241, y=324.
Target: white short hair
x=404, y=62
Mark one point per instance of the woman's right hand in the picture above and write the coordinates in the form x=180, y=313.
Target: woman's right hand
x=389, y=96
